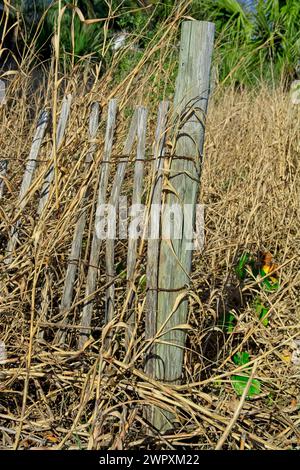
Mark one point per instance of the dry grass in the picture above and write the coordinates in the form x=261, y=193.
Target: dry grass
x=64, y=398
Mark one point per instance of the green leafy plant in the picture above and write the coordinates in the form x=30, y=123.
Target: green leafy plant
x=143, y=282
x=239, y=382
x=251, y=44
x=241, y=358
x=121, y=270
x=87, y=37
x=269, y=284
x=254, y=44
x=229, y=321
x=241, y=267
x=261, y=311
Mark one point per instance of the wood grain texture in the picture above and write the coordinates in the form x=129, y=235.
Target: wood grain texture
x=190, y=105
x=114, y=202
x=76, y=246
x=136, y=214
x=153, y=240
x=31, y=163
x=96, y=242
x=2, y=92
x=3, y=172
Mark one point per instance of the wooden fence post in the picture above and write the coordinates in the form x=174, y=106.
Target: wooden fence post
x=175, y=261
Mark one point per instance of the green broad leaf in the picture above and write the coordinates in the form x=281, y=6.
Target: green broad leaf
x=263, y=316
x=239, y=384
x=269, y=284
x=265, y=321
x=254, y=268
x=246, y=263
x=262, y=312
x=143, y=282
x=241, y=358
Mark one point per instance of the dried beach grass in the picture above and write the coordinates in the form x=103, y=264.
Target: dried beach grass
x=60, y=397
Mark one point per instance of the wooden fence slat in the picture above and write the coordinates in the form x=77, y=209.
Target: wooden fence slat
x=114, y=202
x=45, y=303
x=62, y=123
x=153, y=240
x=3, y=171
x=96, y=242
x=31, y=163
x=2, y=92
x=295, y=92
x=32, y=158
x=75, y=251
x=136, y=213
x=190, y=104
x=3, y=163
x=137, y=189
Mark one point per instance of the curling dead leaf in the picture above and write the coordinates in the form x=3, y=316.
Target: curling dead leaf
x=111, y=326
x=167, y=187
x=268, y=265
x=179, y=299
x=79, y=14
x=183, y=326
x=9, y=72
x=51, y=438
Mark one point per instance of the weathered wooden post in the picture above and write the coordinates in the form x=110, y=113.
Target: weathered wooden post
x=175, y=260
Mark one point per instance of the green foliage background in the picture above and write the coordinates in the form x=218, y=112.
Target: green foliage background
x=252, y=44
